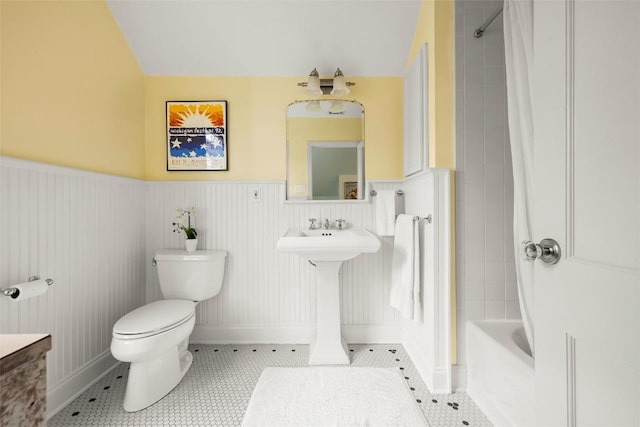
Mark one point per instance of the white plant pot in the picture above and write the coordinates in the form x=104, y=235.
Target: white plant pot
x=191, y=245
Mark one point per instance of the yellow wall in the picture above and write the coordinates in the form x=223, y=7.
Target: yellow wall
x=256, y=129
x=72, y=92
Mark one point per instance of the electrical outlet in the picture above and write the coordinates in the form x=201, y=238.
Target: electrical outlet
x=255, y=194
x=298, y=189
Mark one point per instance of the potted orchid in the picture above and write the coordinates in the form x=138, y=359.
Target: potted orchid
x=190, y=232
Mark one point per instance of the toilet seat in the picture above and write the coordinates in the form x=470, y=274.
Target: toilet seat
x=154, y=318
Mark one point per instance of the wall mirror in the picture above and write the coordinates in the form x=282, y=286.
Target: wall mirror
x=325, y=150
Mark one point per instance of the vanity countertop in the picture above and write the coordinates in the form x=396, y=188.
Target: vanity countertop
x=16, y=349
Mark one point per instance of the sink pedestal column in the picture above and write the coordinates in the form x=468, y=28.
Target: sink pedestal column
x=328, y=347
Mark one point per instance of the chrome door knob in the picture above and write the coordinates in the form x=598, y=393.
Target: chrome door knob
x=548, y=251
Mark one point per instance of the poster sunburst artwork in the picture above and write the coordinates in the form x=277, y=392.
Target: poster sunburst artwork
x=197, y=136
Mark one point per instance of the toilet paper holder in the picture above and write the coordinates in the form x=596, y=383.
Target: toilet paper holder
x=11, y=292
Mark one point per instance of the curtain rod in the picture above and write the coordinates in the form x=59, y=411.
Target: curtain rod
x=478, y=32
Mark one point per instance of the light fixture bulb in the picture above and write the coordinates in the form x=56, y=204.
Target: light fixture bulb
x=313, y=106
x=337, y=107
x=313, y=84
x=339, y=85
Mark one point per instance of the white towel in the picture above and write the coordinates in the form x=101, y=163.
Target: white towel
x=385, y=205
x=405, y=269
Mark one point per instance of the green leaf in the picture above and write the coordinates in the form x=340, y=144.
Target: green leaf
x=191, y=233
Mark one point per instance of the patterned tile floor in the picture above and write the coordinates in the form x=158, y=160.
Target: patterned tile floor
x=217, y=389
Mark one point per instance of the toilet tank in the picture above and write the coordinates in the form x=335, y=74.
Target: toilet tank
x=194, y=276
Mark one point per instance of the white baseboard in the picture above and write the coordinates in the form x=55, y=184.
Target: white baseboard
x=372, y=334
x=72, y=387
x=459, y=377
x=208, y=334
x=354, y=334
x=438, y=381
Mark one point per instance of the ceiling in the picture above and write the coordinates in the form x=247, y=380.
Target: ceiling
x=268, y=37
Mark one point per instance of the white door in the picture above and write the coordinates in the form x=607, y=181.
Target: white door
x=587, y=189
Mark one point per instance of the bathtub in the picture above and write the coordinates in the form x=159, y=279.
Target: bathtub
x=500, y=375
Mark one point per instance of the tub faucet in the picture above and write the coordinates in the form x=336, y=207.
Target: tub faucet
x=312, y=224
x=340, y=224
x=326, y=224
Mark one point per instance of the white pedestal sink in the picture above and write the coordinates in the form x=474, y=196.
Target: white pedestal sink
x=327, y=249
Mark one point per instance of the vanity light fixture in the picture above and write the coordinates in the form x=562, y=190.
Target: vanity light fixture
x=337, y=86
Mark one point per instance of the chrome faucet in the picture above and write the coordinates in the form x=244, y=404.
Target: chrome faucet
x=312, y=224
x=340, y=224
x=326, y=224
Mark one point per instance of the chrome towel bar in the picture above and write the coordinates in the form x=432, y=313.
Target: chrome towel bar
x=427, y=218
x=374, y=193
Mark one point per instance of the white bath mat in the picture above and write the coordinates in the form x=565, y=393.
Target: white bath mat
x=332, y=396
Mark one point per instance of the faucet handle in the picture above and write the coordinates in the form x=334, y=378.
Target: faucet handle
x=312, y=223
x=340, y=224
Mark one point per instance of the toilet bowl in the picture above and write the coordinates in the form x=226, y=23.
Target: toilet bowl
x=154, y=337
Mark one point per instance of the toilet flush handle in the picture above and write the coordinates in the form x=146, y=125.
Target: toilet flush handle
x=153, y=261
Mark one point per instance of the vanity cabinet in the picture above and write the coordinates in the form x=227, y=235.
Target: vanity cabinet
x=23, y=379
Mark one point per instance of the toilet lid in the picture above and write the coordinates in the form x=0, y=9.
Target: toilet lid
x=154, y=317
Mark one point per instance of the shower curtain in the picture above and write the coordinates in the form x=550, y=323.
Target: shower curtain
x=518, y=41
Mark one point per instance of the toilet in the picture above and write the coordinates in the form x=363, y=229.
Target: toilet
x=154, y=337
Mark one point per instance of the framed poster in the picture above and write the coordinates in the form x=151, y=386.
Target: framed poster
x=197, y=136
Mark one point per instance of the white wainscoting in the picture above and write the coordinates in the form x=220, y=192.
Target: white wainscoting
x=268, y=296
x=86, y=232
x=95, y=236
x=428, y=343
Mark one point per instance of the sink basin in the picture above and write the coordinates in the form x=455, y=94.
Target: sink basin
x=328, y=245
